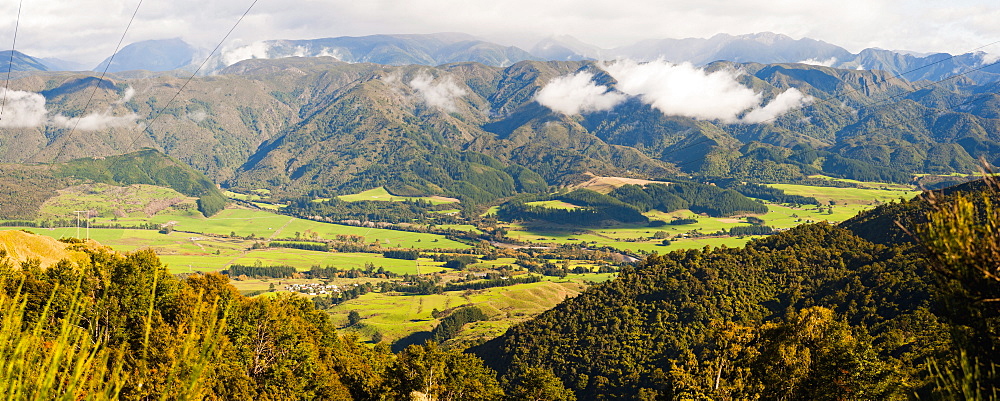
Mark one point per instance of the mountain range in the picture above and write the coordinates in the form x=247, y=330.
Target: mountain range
x=443, y=48
x=477, y=132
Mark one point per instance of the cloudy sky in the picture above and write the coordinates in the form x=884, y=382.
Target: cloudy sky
x=88, y=30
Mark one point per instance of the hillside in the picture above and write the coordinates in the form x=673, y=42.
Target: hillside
x=318, y=126
x=20, y=247
x=28, y=187
x=812, y=313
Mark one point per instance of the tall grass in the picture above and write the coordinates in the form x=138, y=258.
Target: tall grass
x=44, y=361
x=54, y=363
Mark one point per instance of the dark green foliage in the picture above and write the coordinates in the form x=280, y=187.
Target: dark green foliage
x=597, y=208
x=458, y=262
x=490, y=283
x=276, y=271
x=353, y=318
x=772, y=194
x=452, y=324
x=672, y=300
x=431, y=372
x=308, y=246
x=337, y=210
x=840, y=166
x=211, y=203
x=700, y=198
x=537, y=383
x=527, y=181
x=402, y=254
x=681, y=222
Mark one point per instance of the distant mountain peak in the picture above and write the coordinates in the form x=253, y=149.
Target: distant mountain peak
x=152, y=55
x=20, y=62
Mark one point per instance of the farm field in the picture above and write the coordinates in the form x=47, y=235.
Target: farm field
x=397, y=316
x=380, y=194
x=267, y=225
x=849, y=196
x=638, y=238
x=112, y=202
x=183, y=252
x=186, y=249
x=553, y=204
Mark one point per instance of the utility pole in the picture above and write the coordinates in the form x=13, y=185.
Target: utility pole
x=78, y=223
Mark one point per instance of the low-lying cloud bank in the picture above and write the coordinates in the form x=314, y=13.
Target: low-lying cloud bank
x=441, y=93
x=27, y=110
x=673, y=89
x=577, y=93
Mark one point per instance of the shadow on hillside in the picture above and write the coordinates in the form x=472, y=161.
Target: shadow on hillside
x=417, y=338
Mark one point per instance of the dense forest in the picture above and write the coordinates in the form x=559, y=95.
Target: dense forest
x=817, y=312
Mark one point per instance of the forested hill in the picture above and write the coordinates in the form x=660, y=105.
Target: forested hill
x=813, y=313
x=27, y=187
x=317, y=125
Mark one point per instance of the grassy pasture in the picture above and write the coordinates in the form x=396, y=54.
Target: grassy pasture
x=848, y=196
x=397, y=316
x=553, y=204
x=381, y=194
x=111, y=202
x=263, y=224
x=635, y=237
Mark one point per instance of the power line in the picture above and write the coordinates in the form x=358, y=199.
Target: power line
x=188, y=81
x=10, y=65
x=99, y=81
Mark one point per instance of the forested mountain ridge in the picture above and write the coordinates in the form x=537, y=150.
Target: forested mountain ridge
x=299, y=125
x=816, y=312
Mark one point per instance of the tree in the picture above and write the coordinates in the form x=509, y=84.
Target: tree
x=539, y=384
x=428, y=371
x=353, y=318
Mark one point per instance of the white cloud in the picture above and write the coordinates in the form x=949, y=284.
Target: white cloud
x=27, y=110
x=673, y=89
x=440, y=93
x=251, y=51
x=129, y=94
x=22, y=109
x=95, y=121
x=987, y=58
x=788, y=100
x=683, y=90
x=825, y=63
x=577, y=93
